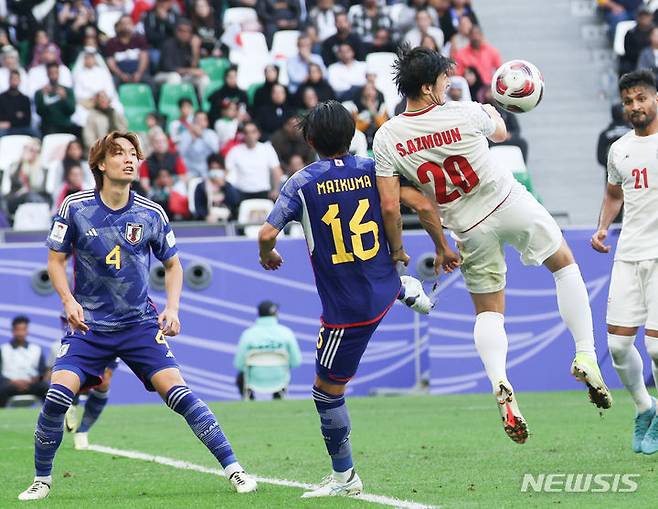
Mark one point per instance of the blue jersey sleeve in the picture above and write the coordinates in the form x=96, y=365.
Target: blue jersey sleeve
x=61, y=234
x=163, y=243
x=288, y=206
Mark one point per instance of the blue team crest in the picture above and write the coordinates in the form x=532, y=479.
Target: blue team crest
x=134, y=232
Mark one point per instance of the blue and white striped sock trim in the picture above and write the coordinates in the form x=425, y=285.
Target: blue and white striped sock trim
x=59, y=397
x=323, y=397
x=99, y=394
x=176, y=395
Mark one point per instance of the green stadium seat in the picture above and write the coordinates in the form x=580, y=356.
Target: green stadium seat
x=171, y=93
x=251, y=92
x=136, y=97
x=136, y=119
x=212, y=86
x=214, y=67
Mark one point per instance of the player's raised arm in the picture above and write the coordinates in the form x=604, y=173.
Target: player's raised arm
x=168, y=320
x=57, y=274
x=613, y=200
x=500, y=133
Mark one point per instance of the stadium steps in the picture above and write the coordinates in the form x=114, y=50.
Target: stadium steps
x=564, y=39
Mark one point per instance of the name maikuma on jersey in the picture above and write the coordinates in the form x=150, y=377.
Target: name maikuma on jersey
x=342, y=185
x=438, y=139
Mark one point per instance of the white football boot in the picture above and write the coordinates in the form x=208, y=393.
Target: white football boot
x=37, y=491
x=331, y=487
x=242, y=482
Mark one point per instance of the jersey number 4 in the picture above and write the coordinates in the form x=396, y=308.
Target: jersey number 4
x=114, y=257
x=357, y=228
x=459, y=171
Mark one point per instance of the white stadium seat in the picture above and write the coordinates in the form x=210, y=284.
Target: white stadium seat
x=509, y=157
x=254, y=211
x=32, y=216
x=620, y=34
x=284, y=44
x=238, y=15
x=251, y=47
x=53, y=147
x=107, y=20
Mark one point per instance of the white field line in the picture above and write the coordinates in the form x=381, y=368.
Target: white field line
x=185, y=465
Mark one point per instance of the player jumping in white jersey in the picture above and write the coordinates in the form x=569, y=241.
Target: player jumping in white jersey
x=442, y=148
x=633, y=297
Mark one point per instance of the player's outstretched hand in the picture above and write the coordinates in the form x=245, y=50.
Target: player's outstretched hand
x=271, y=260
x=597, y=241
x=75, y=316
x=400, y=255
x=169, y=322
x=448, y=260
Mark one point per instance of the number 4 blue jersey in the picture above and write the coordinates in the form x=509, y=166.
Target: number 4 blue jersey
x=337, y=202
x=112, y=253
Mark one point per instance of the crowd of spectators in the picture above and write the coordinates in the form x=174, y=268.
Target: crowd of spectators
x=65, y=71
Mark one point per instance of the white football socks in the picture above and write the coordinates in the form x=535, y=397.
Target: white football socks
x=628, y=363
x=652, y=348
x=343, y=477
x=491, y=344
x=573, y=303
x=232, y=468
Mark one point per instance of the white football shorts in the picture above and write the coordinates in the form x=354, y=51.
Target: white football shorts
x=633, y=294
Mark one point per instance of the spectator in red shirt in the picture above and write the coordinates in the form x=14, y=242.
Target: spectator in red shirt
x=480, y=55
x=162, y=158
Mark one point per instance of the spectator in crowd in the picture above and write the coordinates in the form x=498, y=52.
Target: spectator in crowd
x=180, y=58
x=407, y=15
x=464, y=92
x=617, y=128
x=230, y=91
x=347, y=75
x=266, y=335
x=478, y=54
x=475, y=85
x=615, y=11
x=462, y=37
x=89, y=79
x=159, y=25
x=344, y=34
x=371, y=112
x=449, y=22
x=636, y=39
x=253, y=167
x=15, y=109
x=299, y=64
x=309, y=99
x=648, y=56
x=170, y=195
x=427, y=41
x=383, y=42
x=215, y=199
x=73, y=156
x=318, y=83
x=323, y=18
x=206, y=28
x=115, y=7
x=272, y=115
x=288, y=140
x=38, y=75
x=73, y=183
x=40, y=46
x=24, y=24
x=294, y=164
x=10, y=62
x=73, y=18
x=278, y=15
x=27, y=178
x=196, y=144
x=423, y=27
x=55, y=105
x=22, y=365
x=227, y=126
x=127, y=55
x=367, y=18
x=182, y=123
x=162, y=157
x=264, y=92
x=102, y=120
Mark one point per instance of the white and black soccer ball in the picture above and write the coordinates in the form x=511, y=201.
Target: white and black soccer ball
x=517, y=86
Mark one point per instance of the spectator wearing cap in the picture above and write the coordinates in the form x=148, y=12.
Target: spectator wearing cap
x=127, y=55
x=288, y=141
x=480, y=55
x=10, y=62
x=273, y=114
x=299, y=64
x=323, y=18
x=253, y=166
x=635, y=40
x=55, y=105
x=347, y=75
x=367, y=18
x=344, y=34
x=196, y=144
x=266, y=335
x=15, y=109
x=22, y=365
x=159, y=25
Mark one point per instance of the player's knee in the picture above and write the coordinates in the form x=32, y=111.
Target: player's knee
x=562, y=258
x=328, y=387
x=619, y=347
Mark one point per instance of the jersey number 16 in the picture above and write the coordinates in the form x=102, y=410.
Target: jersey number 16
x=357, y=228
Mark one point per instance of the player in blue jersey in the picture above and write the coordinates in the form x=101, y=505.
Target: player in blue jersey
x=337, y=202
x=112, y=233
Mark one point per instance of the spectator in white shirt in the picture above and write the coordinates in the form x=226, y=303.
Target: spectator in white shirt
x=9, y=60
x=89, y=79
x=298, y=65
x=196, y=144
x=423, y=27
x=323, y=18
x=347, y=75
x=38, y=75
x=253, y=167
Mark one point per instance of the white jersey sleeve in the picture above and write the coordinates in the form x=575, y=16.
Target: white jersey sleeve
x=479, y=119
x=613, y=174
x=384, y=166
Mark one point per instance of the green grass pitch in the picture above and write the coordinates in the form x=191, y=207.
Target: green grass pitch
x=448, y=451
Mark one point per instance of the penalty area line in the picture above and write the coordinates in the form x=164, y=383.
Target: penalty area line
x=186, y=465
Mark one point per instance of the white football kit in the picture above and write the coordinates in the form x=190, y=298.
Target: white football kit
x=444, y=151
x=633, y=295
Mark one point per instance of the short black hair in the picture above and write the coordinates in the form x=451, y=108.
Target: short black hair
x=639, y=78
x=215, y=158
x=19, y=320
x=329, y=127
x=184, y=100
x=415, y=67
x=50, y=65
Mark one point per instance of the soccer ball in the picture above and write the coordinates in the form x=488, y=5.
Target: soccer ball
x=517, y=86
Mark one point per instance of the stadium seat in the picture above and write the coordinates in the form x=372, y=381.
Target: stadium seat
x=250, y=73
x=32, y=216
x=620, y=35
x=136, y=96
x=251, y=92
x=214, y=68
x=251, y=48
x=170, y=93
x=191, y=189
x=107, y=20
x=284, y=44
x=22, y=401
x=11, y=150
x=136, y=120
x=238, y=15
x=53, y=147
x=510, y=157
x=253, y=212
x=265, y=359
x=212, y=87
x=381, y=64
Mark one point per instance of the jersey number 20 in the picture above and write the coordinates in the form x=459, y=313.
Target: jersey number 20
x=461, y=175
x=357, y=228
